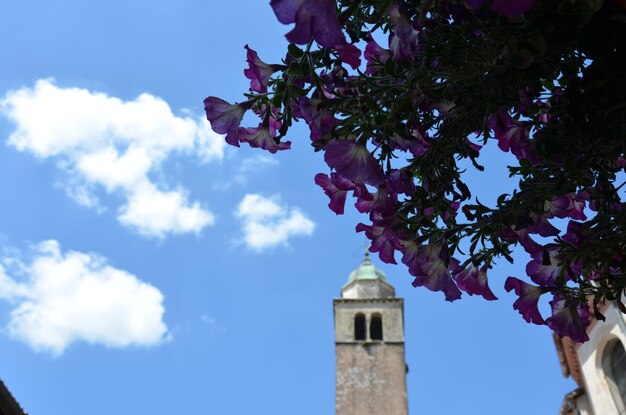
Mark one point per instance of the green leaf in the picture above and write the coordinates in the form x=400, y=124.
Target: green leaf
x=295, y=51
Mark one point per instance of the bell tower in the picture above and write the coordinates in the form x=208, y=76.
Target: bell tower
x=369, y=346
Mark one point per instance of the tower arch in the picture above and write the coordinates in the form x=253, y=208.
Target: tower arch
x=614, y=368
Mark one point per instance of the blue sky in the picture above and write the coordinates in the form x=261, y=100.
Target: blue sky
x=148, y=268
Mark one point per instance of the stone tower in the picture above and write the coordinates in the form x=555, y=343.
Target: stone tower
x=369, y=346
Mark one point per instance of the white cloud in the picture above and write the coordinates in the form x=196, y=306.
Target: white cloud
x=267, y=224
x=253, y=164
x=73, y=296
x=9, y=289
x=151, y=211
x=103, y=141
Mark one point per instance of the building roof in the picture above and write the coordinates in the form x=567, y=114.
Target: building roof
x=568, y=359
x=8, y=404
x=367, y=282
x=366, y=271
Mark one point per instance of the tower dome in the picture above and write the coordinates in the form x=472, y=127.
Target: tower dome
x=367, y=281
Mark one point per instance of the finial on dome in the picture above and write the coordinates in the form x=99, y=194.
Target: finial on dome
x=366, y=257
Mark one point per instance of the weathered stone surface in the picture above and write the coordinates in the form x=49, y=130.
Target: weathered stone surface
x=371, y=379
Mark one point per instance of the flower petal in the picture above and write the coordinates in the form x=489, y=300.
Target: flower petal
x=353, y=161
x=258, y=72
x=569, y=318
x=526, y=304
x=336, y=188
x=314, y=19
x=473, y=281
x=224, y=117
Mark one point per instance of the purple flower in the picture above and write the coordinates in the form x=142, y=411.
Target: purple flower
x=383, y=241
x=512, y=135
x=530, y=246
x=452, y=212
x=473, y=280
x=403, y=41
x=353, y=161
x=365, y=200
x=401, y=181
x=566, y=206
x=349, y=54
x=526, y=304
x=263, y=136
x=320, y=122
x=225, y=118
x=557, y=207
x=541, y=226
x=431, y=269
x=315, y=19
x=258, y=72
x=547, y=267
x=576, y=234
x=382, y=202
x=375, y=56
x=417, y=143
x=336, y=188
x=512, y=8
x=437, y=278
x=569, y=318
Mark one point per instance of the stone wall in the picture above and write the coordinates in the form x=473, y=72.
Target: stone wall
x=371, y=379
